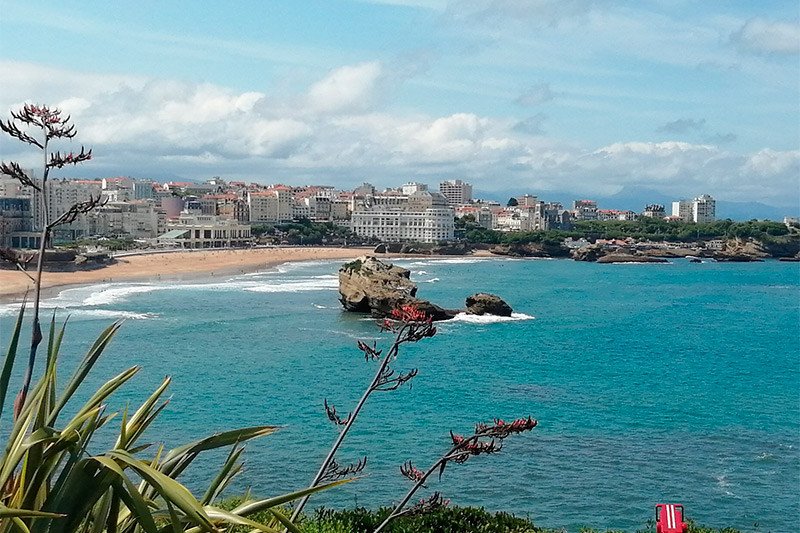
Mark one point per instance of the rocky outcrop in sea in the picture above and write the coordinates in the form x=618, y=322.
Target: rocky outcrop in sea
x=368, y=285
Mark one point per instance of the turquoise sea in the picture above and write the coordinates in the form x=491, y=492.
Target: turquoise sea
x=651, y=383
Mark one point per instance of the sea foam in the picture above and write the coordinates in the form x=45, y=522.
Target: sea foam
x=314, y=284
x=490, y=319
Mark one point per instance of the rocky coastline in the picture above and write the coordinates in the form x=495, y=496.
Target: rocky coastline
x=614, y=251
x=54, y=260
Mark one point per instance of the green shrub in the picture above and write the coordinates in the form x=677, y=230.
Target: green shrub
x=444, y=520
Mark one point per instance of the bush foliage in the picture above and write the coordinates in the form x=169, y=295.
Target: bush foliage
x=645, y=228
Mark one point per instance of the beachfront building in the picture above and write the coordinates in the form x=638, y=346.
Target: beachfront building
x=584, y=210
x=397, y=225
x=15, y=218
x=12, y=188
x=273, y=206
x=456, y=192
x=61, y=195
x=140, y=219
x=205, y=231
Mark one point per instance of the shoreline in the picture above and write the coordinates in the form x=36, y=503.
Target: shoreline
x=174, y=266
x=183, y=266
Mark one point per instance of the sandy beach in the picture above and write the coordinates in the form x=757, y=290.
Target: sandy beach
x=175, y=266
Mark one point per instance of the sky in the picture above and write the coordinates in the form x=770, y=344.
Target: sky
x=593, y=97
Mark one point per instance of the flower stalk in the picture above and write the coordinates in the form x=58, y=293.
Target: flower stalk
x=50, y=125
x=487, y=439
x=409, y=325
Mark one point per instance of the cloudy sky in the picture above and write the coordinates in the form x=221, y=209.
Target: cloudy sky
x=587, y=96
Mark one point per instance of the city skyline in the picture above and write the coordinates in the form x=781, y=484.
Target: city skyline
x=589, y=98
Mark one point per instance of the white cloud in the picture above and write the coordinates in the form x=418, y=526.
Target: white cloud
x=764, y=37
x=770, y=162
x=162, y=127
x=346, y=88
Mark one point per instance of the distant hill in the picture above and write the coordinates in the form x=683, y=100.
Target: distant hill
x=636, y=198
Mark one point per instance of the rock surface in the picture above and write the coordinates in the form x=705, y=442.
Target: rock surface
x=55, y=260
x=368, y=285
x=630, y=258
x=531, y=249
x=487, y=304
x=588, y=253
x=740, y=251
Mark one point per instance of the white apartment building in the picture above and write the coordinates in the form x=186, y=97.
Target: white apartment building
x=701, y=209
x=393, y=225
x=682, y=209
x=272, y=206
x=704, y=209
x=204, y=231
x=508, y=220
x=316, y=208
x=61, y=195
x=11, y=188
x=457, y=192
x=141, y=220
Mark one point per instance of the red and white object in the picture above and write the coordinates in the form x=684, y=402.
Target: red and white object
x=669, y=518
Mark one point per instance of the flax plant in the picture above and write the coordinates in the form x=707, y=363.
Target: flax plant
x=50, y=481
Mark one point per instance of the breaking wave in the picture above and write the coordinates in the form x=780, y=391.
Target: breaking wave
x=491, y=319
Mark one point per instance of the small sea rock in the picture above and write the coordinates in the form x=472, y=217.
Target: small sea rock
x=487, y=304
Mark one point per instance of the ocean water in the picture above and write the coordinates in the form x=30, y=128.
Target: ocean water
x=651, y=383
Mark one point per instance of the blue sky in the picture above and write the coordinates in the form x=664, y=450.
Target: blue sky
x=684, y=97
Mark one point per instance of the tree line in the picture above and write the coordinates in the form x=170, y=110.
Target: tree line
x=645, y=228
